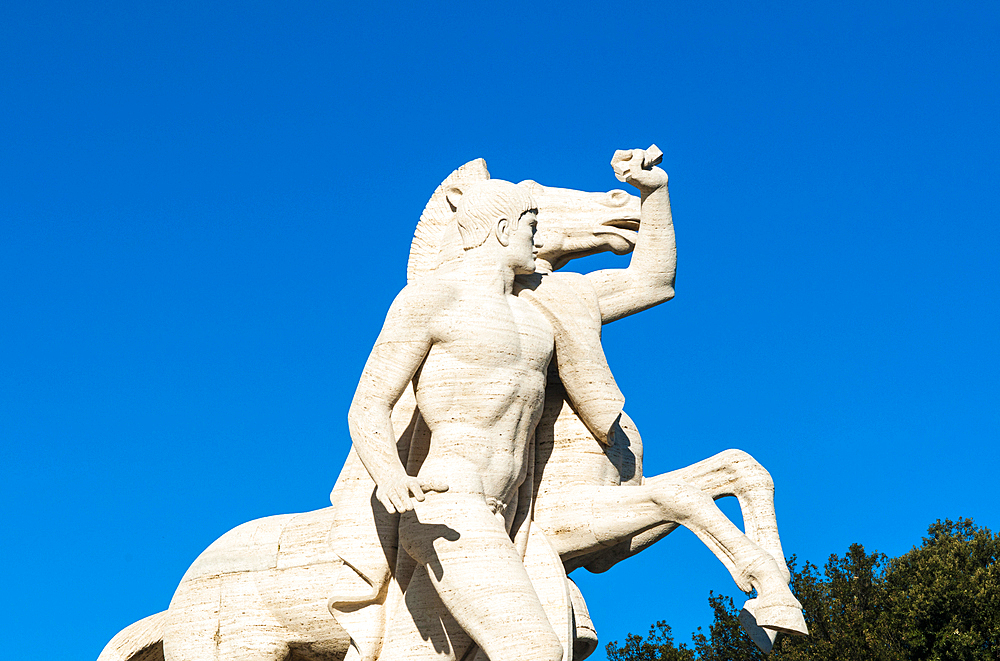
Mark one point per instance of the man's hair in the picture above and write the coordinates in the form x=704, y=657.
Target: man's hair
x=485, y=204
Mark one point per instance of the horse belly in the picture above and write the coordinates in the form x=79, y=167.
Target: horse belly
x=566, y=451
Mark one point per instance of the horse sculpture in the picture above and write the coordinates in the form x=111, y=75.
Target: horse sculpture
x=263, y=590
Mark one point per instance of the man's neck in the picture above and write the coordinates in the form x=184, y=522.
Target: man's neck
x=487, y=267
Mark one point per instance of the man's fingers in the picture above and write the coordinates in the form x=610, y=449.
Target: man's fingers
x=403, y=503
x=388, y=501
x=400, y=498
x=621, y=155
x=419, y=489
x=433, y=485
x=622, y=163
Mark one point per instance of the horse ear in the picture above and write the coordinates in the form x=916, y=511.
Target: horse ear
x=453, y=195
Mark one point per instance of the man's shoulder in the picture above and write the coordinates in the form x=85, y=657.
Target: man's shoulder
x=413, y=313
x=429, y=292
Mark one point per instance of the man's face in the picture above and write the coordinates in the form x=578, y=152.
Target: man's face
x=522, y=244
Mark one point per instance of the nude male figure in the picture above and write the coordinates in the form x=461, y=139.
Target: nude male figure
x=477, y=356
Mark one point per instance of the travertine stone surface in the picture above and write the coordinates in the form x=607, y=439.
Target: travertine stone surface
x=491, y=456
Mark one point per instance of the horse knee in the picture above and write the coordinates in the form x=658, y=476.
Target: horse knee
x=746, y=469
x=733, y=459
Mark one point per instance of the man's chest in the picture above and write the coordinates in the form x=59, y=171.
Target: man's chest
x=495, y=332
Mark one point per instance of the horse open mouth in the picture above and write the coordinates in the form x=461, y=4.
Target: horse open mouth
x=626, y=229
x=631, y=224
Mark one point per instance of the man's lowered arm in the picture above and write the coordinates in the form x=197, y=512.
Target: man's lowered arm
x=398, y=353
x=649, y=278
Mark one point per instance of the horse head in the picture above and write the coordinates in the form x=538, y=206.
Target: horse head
x=574, y=223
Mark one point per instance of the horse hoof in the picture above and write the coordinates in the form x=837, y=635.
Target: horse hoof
x=778, y=616
x=761, y=637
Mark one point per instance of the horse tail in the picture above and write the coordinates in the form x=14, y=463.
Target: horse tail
x=142, y=641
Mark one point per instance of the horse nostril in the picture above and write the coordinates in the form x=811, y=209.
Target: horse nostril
x=617, y=198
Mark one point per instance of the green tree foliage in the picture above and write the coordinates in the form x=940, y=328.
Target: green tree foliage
x=725, y=640
x=938, y=602
x=945, y=595
x=658, y=645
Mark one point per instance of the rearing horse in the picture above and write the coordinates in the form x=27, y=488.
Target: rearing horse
x=262, y=591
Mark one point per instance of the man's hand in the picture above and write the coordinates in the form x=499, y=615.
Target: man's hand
x=637, y=167
x=396, y=496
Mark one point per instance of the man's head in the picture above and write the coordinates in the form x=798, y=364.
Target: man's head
x=502, y=209
x=481, y=207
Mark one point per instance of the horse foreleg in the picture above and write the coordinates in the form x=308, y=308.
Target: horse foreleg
x=597, y=518
x=736, y=473
x=592, y=519
x=729, y=473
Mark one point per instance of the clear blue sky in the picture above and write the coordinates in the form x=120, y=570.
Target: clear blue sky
x=206, y=208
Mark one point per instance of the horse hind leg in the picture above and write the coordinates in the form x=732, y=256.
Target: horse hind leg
x=226, y=644
x=248, y=646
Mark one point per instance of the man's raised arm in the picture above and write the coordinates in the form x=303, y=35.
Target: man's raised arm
x=649, y=278
x=398, y=353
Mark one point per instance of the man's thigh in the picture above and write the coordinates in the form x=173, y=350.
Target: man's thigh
x=421, y=627
x=472, y=565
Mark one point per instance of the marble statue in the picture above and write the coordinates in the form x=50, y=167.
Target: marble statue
x=491, y=456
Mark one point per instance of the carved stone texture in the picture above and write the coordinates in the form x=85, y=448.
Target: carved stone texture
x=491, y=456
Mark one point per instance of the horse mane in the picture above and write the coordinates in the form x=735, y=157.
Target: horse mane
x=428, y=237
